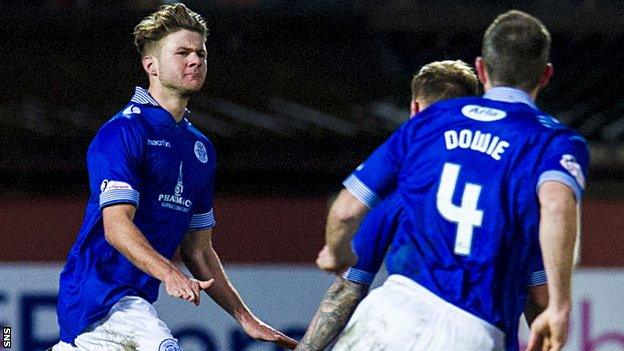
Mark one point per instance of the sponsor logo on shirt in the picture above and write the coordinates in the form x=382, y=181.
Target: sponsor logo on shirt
x=176, y=201
x=164, y=143
x=108, y=185
x=200, y=152
x=569, y=163
x=483, y=114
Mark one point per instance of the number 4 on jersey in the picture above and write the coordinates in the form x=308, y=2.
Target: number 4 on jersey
x=467, y=216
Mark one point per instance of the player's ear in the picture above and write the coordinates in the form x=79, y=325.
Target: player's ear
x=150, y=65
x=414, y=107
x=481, y=72
x=548, y=73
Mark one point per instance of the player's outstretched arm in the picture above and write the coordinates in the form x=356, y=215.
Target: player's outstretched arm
x=123, y=235
x=204, y=263
x=343, y=220
x=332, y=316
x=558, y=224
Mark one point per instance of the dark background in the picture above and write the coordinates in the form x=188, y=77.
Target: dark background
x=297, y=94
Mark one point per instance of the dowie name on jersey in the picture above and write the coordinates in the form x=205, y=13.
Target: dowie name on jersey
x=477, y=141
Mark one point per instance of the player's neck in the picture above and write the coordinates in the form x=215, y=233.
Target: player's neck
x=532, y=93
x=173, y=103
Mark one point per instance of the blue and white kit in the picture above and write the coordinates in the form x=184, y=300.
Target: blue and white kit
x=464, y=175
x=166, y=170
x=374, y=236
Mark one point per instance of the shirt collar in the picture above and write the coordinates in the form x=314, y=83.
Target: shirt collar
x=142, y=96
x=512, y=95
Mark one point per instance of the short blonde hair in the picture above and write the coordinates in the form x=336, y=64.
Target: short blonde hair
x=168, y=19
x=441, y=80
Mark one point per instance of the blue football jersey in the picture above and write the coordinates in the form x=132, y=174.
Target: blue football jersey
x=166, y=170
x=376, y=232
x=372, y=239
x=466, y=172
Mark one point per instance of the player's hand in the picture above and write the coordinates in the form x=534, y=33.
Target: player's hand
x=549, y=331
x=336, y=262
x=179, y=285
x=259, y=330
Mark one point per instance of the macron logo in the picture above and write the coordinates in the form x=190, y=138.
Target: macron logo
x=164, y=143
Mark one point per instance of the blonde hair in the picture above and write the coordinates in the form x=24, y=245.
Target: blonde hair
x=441, y=80
x=168, y=19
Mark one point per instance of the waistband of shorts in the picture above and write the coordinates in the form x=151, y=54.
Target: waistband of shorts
x=422, y=293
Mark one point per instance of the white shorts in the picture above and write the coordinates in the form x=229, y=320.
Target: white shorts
x=131, y=325
x=403, y=315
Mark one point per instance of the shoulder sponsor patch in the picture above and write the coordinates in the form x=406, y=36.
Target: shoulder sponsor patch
x=200, y=152
x=483, y=114
x=108, y=185
x=169, y=345
x=569, y=163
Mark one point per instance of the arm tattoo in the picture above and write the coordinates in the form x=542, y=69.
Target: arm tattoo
x=332, y=316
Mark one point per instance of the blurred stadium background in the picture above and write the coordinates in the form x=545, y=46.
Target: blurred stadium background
x=297, y=94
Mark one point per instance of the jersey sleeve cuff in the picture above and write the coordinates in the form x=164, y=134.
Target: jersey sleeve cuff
x=202, y=220
x=538, y=278
x=361, y=191
x=558, y=176
x=358, y=276
x=118, y=196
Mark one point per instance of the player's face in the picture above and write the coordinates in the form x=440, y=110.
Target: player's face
x=182, y=62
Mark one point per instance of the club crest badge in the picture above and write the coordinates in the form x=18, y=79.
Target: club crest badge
x=200, y=152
